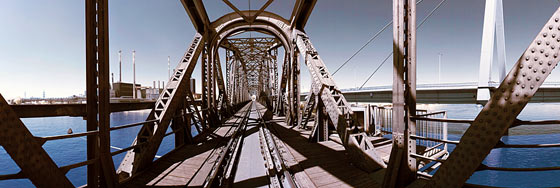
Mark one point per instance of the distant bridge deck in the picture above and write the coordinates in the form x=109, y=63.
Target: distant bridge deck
x=447, y=93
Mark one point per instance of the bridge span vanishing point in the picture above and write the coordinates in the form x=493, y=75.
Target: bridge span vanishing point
x=254, y=128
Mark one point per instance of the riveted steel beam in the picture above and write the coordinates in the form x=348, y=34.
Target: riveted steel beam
x=401, y=170
x=169, y=101
x=197, y=13
x=300, y=14
x=505, y=104
x=26, y=152
x=97, y=84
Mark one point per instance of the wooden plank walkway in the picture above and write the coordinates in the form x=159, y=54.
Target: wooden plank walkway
x=189, y=164
x=324, y=164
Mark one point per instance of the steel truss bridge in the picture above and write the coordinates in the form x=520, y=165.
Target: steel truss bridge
x=271, y=140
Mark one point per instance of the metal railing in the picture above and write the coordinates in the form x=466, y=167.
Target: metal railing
x=67, y=168
x=500, y=144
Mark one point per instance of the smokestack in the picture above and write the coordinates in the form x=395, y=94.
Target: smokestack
x=112, y=79
x=120, y=66
x=162, y=84
x=158, y=84
x=168, y=68
x=134, y=74
x=154, y=84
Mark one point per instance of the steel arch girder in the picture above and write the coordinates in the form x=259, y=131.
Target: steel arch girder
x=505, y=104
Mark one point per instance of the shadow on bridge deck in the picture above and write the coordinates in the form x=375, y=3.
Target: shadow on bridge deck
x=178, y=167
x=325, y=163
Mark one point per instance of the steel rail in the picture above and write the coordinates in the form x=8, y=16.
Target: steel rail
x=485, y=167
x=67, y=168
x=88, y=133
x=18, y=175
x=226, y=150
x=502, y=145
x=126, y=149
x=433, y=139
x=431, y=113
x=274, y=153
x=442, y=119
x=426, y=158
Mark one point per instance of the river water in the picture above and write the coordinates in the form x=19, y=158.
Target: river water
x=69, y=151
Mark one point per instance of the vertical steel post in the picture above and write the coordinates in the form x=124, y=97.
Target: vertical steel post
x=97, y=71
x=401, y=170
x=91, y=91
x=103, y=78
x=297, y=100
x=204, y=85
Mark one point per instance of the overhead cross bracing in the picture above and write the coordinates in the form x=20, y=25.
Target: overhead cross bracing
x=277, y=139
x=257, y=58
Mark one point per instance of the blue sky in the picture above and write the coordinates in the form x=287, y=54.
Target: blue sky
x=42, y=44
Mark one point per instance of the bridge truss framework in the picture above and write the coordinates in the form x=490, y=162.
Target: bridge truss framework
x=252, y=69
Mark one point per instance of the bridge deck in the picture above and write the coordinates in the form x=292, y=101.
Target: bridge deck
x=251, y=170
x=324, y=163
x=189, y=164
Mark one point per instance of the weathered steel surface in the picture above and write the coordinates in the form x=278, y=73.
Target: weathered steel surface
x=401, y=170
x=90, y=110
x=519, y=86
x=26, y=152
x=166, y=105
x=335, y=108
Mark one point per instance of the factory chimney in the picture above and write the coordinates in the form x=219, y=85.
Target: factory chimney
x=168, y=68
x=120, y=66
x=134, y=74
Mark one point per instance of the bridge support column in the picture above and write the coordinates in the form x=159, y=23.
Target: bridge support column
x=97, y=79
x=493, y=26
x=401, y=170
